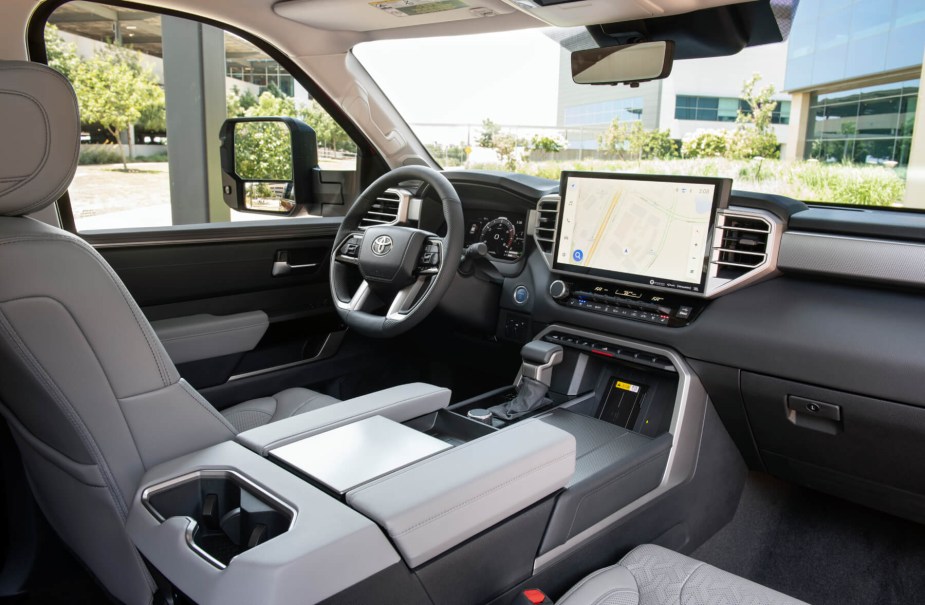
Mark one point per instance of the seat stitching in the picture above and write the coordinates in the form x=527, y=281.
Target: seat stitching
x=485, y=493
x=687, y=579
x=206, y=406
x=89, y=251
x=69, y=412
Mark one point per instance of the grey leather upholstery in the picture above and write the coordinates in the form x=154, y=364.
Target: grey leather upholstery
x=437, y=503
x=399, y=403
x=91, y=396
x=203, y=336
x=652, y=575
x=41, y=138
x=285, y=404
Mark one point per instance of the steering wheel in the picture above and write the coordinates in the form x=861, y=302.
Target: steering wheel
x=403, y=270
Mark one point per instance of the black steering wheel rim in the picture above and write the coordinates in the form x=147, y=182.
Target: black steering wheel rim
x=434, y=284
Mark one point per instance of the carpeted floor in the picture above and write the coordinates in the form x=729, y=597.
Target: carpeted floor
x=820, y=549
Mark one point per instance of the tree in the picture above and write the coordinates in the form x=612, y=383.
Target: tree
x=545, y=144
x=61, y=55
x=489, y=130
x=632, y=140
x=753, y=136
x=506, y=146
x=116, y=91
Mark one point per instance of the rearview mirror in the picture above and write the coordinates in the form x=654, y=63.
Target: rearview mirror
x=269, y=165
x=625, y=64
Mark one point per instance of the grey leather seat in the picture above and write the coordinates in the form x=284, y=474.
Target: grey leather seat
x=91, y=396
x=652, y=575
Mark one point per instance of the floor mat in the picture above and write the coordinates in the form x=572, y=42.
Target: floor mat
x=820, y=549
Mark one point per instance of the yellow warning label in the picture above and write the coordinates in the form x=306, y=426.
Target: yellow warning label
x=625, y=386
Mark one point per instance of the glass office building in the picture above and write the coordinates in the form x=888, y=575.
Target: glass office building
x=856, y=64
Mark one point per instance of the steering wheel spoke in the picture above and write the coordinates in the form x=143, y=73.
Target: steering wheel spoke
x=359, y=299
x=404, y=300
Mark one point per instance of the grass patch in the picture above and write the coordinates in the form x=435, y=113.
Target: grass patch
x=96, y=156
x=808, y=181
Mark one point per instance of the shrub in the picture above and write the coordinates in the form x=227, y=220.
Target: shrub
x=705, y=144
x=99, y=155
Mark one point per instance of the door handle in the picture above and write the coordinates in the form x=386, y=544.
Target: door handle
x=281, y=265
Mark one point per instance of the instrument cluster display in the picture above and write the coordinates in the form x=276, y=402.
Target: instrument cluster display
x=503, y=234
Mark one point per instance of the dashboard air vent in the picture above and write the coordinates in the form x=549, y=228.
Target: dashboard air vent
x=547, y=213
x=384, y=210
x=742, y=244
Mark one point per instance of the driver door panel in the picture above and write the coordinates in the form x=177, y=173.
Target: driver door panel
x=232, y=273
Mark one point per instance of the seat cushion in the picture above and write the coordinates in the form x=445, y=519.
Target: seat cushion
x=652, y=575
x=258, y=412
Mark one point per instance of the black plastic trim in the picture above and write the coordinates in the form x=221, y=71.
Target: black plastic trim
x=862, y=222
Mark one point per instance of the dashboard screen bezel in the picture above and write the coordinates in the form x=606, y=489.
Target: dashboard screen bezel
x=721, y=191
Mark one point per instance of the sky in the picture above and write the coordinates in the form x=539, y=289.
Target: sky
x=509, y=77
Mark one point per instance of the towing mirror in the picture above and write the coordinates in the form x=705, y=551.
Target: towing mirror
x=269, y=165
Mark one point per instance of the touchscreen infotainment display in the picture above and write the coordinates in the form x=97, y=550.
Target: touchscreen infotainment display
x=644, y=229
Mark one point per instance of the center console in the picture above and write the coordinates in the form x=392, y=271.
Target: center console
x=403, y=488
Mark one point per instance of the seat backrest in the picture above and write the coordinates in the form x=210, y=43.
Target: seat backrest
x=91, y=396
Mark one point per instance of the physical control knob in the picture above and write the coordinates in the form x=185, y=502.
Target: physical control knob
x=558, y=290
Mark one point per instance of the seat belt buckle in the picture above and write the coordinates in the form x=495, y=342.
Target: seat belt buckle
x=533, y=596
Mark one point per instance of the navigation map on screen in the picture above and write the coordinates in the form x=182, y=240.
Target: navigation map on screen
x=653, y=229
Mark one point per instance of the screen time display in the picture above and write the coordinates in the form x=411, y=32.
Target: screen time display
x=640, y=229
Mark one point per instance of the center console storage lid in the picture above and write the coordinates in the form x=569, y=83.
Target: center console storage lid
x=327, y=548
x=437, y=503
x=400, y=403
x=355, y=453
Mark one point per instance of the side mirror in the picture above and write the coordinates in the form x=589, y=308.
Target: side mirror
x=269, y=165
x=624, y=64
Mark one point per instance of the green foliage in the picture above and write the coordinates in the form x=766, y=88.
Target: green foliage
x=116, y=91
x=810, y=181
x=753, y=137
x=627, y=140
x=546, y=144
x=448, y=156
x=705, y=144
x=506, y=146
x=61, y=55
x=263, y=151
x=487, y=136
x=91, y=156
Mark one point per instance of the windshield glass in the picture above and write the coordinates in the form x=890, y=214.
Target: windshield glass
x=826, y=116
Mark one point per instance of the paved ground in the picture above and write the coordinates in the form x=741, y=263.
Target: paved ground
x=105, y=197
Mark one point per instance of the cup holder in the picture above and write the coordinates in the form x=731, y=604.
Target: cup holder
x=229, y=514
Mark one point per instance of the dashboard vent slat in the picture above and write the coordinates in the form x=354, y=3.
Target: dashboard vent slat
x=384, y=211
x=741, y=244
x=547, y=214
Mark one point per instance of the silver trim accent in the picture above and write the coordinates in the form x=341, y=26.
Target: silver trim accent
x=759, y=272
x=192, y=525
x=878, y=260
x=551, y=199
x=714, y=285
x=540, y=373
x=401, y=216
x=328, y=349
x=686, y=430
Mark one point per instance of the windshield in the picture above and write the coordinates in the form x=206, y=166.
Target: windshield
x=826, y=117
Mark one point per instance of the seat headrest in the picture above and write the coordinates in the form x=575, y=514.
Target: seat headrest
x=39, y=136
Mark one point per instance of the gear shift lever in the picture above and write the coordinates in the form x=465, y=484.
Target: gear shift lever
x=539, y=358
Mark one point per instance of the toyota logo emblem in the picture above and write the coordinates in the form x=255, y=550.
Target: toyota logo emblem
x=382, y=245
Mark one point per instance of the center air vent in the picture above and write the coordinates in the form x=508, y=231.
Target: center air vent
x=741, y=246
x=547, y=213
x=385, y=210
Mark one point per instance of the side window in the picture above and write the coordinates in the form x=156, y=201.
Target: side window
x=153, y=93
